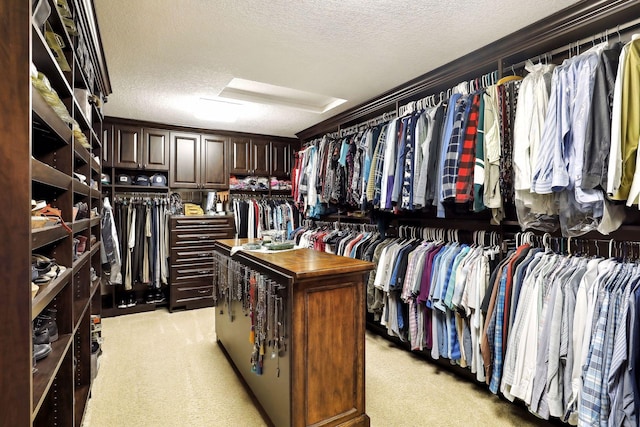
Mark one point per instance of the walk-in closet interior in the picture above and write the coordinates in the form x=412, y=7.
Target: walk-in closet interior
x=460, y=183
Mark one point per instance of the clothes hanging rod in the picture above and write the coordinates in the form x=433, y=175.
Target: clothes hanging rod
x=611, y=32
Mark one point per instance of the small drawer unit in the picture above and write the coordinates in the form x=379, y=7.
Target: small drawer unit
x=191, y=257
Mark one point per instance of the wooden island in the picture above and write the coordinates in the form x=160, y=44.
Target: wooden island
x=318, y=377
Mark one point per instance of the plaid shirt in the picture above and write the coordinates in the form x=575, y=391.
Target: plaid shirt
x=593, y=371
x=466, y=164
x=450, y=170
x=498, y=358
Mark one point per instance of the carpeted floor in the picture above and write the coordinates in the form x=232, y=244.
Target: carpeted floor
x=164, y=370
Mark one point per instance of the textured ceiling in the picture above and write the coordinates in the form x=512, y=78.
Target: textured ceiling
x=164, y=55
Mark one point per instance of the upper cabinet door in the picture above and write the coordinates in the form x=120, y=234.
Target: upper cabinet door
x=127, y=147
x=185, y=160
x=261, y=157
x=155, y=147
x=107, y=145
x=280, y=159
x=214, y=167
x=240, y=156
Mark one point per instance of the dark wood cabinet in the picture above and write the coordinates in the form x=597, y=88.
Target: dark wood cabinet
x=250, y=156
x=140, y=148
x=191, y=258
x=280, y=159
x=127, y=150
x=260, y=157
x=214, y=166
x=185, y=160
x=240, y=156
x=198, y=161
x=106, y=158
x=155, y=149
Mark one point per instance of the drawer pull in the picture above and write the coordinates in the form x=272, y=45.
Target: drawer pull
x=205, y=272
x=204, y=254
x=203, y=237
x=203, y=291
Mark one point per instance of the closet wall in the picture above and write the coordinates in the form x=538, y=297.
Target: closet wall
x=42, y=158
x=576, y=28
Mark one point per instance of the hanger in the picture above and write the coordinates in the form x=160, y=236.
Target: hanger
x=611, y=248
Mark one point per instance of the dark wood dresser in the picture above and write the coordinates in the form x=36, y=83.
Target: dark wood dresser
x=316, y=378
x=191, y=249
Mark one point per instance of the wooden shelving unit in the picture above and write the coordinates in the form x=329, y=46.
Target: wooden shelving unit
x=39, y=164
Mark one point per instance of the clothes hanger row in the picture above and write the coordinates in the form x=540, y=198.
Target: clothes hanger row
x=464, y=88
x=385, y=117
x=574, y=48
x=624, y=250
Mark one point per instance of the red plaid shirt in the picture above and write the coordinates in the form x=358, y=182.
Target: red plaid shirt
x=466, y=163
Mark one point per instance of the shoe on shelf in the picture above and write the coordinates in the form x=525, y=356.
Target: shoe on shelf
x=122, y=303
x=131, y=302
x=42, y=337
x=76, y=243
x=47, y=321
x=34, y=290
x=40, y=351
x=150, y=297
x=159, y=296
x=95, y=347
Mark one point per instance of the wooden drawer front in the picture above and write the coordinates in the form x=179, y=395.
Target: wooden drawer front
x=193, y=238
x=190, y=254
x=192, y=272
x=181, y=223
x=181, y=294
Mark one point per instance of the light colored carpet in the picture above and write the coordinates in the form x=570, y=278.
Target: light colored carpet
x=164, y=370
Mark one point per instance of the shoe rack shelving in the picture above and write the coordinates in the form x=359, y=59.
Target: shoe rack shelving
x=40, y=156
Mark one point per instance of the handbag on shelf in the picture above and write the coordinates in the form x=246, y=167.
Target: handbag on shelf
x=80, y=211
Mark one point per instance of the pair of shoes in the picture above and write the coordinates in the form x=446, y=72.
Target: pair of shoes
x=159, y=296
x=122, y=302
x=131, y=302
x=45, y=323
x=94, y=276
x=44, y=269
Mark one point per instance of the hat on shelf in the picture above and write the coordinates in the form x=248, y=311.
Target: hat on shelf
x=142, y=180
x=105, y=179
x=124, y=179
x=158, y=180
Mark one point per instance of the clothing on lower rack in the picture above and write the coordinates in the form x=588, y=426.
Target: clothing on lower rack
x=142, y=226
x=254, y=216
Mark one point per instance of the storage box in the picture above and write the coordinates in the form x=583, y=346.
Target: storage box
x=82, y=96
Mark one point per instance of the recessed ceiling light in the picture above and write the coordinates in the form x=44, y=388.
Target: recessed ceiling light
x=217, y=110
x=264, y=93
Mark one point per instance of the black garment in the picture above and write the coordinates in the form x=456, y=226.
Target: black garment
x=434, y=153
x=137, y=257
x=243, y=209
